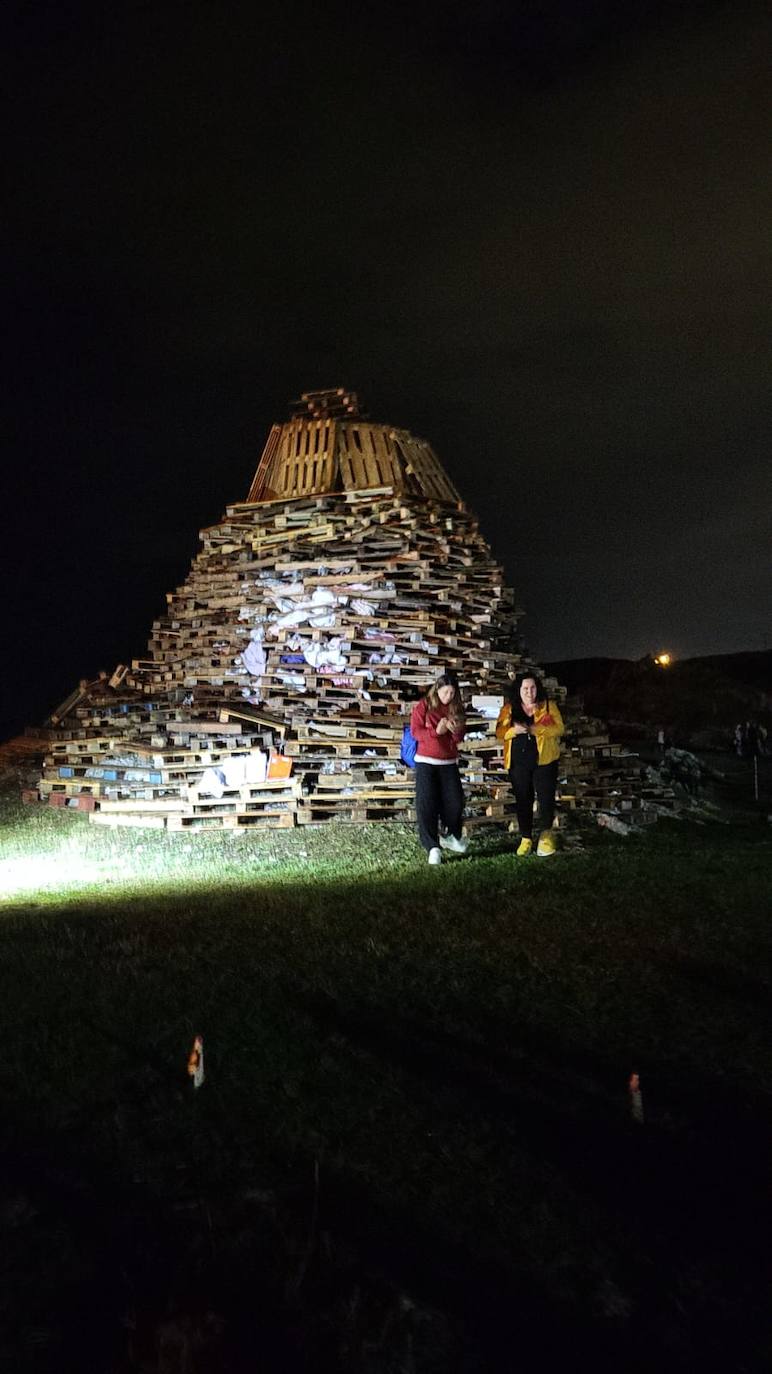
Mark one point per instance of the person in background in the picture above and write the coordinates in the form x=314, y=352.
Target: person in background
x=438, y=723
x=531, y=727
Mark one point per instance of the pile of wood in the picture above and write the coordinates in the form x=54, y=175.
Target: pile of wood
x=276, y=686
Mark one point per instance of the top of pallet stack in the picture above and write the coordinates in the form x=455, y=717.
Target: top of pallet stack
x=328, y=446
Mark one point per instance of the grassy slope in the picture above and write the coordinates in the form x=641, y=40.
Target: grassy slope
x=691, y=697
x=451, y=1048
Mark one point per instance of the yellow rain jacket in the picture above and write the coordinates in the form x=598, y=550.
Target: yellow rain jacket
x=547, y=728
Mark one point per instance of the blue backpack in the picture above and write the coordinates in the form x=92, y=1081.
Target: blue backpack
x=408, y=748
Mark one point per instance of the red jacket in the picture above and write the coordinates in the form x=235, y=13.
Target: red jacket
x=423, y=728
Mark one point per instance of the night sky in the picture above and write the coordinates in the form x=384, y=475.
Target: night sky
x=536, y=234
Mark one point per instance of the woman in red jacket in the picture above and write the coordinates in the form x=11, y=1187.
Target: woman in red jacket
x=438, y=724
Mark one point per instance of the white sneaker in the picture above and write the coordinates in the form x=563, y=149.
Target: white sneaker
x=457, y=846
x=435, y=856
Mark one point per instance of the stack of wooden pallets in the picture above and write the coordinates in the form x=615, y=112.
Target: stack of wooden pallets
x=276, y=686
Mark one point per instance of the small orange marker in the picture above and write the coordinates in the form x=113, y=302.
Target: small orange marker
x=636, y=1100
x=196, y=1061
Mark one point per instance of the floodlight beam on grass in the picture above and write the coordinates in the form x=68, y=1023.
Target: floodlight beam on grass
x=45, y=873
x=75, y=872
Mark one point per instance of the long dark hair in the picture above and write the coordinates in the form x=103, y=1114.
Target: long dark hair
x=519, y=716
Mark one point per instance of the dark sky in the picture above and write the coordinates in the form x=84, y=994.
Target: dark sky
x=537, y=234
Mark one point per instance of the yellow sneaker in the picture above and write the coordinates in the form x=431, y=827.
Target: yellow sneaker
x=524, y=847
x=546, y=844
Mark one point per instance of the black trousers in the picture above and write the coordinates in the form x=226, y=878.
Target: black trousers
x=439, y=796
x=528, y=779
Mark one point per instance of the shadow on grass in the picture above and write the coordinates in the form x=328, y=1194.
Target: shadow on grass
x=536, y=1222
x=102, y=1274
x=211, y=1272
x=725, y=983
x=672, y=1199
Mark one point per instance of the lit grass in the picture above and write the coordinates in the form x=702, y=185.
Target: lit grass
x=450, y=1046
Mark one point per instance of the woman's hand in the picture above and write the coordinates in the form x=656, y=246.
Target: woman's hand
x=522, y=729
x=442, y=726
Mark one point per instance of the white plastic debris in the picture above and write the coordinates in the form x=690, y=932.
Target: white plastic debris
x=295, y=680
x=325, y=654
x=253, y=657
x=488, y=706
x=612, y=823
x=212, y=783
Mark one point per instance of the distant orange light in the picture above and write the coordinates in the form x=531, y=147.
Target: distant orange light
x=664, y=660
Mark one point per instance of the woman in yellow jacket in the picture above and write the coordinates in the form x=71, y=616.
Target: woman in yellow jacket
x=530, y=727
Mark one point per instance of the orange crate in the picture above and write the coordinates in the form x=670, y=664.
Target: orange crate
x=279, y=767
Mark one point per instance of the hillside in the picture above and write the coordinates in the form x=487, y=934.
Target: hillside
x=697, y=701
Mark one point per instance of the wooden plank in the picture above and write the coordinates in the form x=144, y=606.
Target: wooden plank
x=254, y=715
x=139, y=820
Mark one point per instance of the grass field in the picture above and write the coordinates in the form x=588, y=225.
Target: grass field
x=414, y=1149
